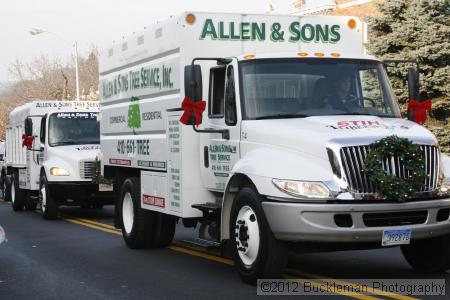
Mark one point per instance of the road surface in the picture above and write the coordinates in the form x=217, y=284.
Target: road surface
x=82, y=256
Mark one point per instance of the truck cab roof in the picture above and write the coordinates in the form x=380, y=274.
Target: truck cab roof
x=306, y=55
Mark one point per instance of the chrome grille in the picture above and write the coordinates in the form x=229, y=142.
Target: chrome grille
x=353, y=160
x=87, y=169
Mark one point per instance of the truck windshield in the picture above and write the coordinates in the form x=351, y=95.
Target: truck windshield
x=296, y=88
x=73, y=128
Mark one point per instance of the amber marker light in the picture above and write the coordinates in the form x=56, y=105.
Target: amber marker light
x=351, y=23
x=250, y=56
x=302, y=54
x=335, y=54
x=319, y=54
x=190, y=19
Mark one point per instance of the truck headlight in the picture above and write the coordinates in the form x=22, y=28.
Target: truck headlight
x=303, y=189
x=55, y=171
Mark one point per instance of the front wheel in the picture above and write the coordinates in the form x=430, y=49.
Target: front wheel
x=49, y=208
x=257, y=254
x=428, y=255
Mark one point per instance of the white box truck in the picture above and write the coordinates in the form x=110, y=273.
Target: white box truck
x=292, y=108
x=51, y=152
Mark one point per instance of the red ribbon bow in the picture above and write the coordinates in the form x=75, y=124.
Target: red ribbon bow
x=190, y=107
x=419, y=110
x=27, y=141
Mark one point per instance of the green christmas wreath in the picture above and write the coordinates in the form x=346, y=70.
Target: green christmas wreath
x=411, y=157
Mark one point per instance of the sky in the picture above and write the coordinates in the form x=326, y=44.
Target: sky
x=95, y=22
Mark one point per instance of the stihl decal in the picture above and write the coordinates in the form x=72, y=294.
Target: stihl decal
x=93, y=147
x=120, y=162
x=358, y=124
x=154, y=201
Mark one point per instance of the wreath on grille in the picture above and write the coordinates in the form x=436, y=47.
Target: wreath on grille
x=411, y=158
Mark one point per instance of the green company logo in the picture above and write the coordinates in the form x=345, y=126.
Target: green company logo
x=134, y=114
x=252, y=31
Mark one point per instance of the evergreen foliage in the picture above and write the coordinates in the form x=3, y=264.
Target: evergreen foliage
x=417, y=30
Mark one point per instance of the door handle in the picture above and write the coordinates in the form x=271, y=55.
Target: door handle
x=206, y=156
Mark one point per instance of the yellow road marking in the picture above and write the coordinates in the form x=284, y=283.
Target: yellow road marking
x=354, y=285
x=110, y=229
x=343, y=293
x=91, y=226
x=203, y=255
x=107, y=226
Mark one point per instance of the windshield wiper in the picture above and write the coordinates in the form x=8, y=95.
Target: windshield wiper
x=90, y=143
x=281, y=116
x=364, y=114
x=355, y=114
x=62, y=143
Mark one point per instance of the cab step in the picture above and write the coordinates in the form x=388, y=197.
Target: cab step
x=211, y=211
x=200, y=244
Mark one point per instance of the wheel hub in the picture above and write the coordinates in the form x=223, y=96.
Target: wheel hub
x=13, y=193
x=243, y=233
x=247, y=235
x=127, y=213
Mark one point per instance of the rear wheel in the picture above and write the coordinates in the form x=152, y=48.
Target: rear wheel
x=137, y=223
x=429, y=255
x=6, y=190
x=164, y=230
x=31, y=203
x=97, y=205
x=49, y=207
x=257, y=254
x=18, y=196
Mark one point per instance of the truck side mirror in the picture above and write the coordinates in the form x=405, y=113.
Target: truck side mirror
x=28, y=127
x=42, y=130
x=413, y=83
x=193, y=86
x=193, y=82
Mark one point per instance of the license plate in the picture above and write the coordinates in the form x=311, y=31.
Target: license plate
x=104, y=187
x=396, y=237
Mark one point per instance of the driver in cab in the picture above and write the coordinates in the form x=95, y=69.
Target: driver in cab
x=341, y=98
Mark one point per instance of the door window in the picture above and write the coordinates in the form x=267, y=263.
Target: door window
x=230, y=98
x=216, y=92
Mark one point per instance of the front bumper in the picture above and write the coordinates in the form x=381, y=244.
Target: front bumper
x=316, y=222
x=77, y=192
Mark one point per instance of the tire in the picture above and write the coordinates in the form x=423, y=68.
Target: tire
x=256, y=252
x=18, y=196
x=6, y=190
x=49, y=207
x=164, y=230
x=428, y=255
x=137, y=223
x=30, y=203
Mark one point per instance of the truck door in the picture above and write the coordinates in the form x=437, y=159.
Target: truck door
x=218, y=153
x=29, y=176
x=41, y=144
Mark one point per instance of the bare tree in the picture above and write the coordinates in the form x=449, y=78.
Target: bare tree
x=48, y=78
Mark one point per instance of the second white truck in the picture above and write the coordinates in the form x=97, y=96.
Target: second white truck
x=51, y=152
x=292, y=106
